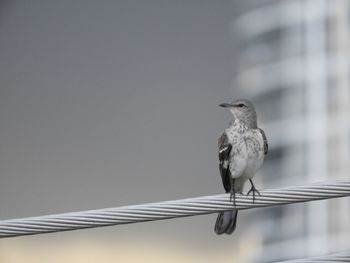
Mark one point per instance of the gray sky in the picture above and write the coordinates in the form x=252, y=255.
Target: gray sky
x=108, y=103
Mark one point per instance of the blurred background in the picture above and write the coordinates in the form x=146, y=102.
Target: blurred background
x=110, y=103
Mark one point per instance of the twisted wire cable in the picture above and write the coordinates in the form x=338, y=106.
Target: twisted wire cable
x=339, y=257
x=170, y=209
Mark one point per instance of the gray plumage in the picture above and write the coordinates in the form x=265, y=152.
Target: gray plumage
x=242, y=147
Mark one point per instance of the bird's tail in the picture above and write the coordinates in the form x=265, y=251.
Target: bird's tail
x=226, y=222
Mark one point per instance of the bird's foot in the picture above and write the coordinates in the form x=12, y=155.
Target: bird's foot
x=253, y=190
x=233, y=197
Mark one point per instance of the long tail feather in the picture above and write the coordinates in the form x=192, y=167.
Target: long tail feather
x=226, y=222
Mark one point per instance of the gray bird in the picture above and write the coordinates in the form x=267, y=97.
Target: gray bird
x=242, y=147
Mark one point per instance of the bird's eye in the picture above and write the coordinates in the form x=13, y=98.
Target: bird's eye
x=240, y=105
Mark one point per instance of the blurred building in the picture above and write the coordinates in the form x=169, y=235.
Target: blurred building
x=294, y=63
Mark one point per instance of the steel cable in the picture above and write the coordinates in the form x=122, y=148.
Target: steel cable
x=170, y=209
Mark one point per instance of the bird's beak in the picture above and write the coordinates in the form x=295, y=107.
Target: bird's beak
x=226, y=105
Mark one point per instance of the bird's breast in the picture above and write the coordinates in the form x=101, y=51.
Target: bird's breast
x=248, y=143
x=247, y=154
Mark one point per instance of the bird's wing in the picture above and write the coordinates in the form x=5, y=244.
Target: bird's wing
x=224, y=161
x=266, y=145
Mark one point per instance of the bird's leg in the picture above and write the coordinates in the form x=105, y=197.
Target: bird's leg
x=232, y=192
x=253, y=189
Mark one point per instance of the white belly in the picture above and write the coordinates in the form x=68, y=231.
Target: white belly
x=247, y=154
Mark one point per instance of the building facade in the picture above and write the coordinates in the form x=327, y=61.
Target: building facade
x=294, y=62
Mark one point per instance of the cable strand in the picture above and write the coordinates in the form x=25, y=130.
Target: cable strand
x=170, y=209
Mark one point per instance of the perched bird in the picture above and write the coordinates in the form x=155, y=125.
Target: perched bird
x=242, y=147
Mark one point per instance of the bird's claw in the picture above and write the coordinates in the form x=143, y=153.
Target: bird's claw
x=254, y=190
x=233, y=197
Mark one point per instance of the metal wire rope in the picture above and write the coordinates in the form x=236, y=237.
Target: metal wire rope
x=170, y=209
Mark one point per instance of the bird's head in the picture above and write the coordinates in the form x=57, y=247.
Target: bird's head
x=243, y=110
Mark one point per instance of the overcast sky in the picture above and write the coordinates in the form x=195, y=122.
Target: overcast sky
x=108, y=103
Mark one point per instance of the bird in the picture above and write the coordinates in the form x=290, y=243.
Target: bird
x=242, y=149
